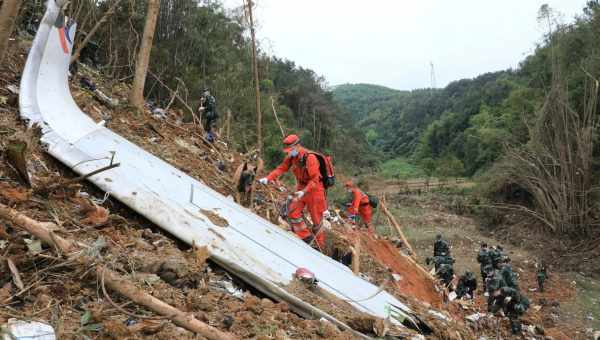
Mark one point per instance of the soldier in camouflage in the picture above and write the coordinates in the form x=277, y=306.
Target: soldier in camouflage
x=496, y=255
x=542, y=275
x=440, y=246
x=484, y=259
x=509, y=276
x=208, y=114
x=467, y=284
x=444, y=267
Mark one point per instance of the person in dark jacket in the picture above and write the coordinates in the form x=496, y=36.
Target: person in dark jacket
x=440, y=246
x=467, y=284
x=208, y=114
x=484, y=259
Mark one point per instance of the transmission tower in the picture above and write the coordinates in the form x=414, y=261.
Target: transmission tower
x=433, y=82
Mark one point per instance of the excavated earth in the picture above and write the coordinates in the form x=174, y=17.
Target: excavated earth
x=66, y=295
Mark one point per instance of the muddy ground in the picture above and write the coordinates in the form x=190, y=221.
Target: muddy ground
x=571, y=302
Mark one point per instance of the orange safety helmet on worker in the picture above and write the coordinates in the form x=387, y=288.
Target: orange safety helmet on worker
x=360, y=205
x=310, y=191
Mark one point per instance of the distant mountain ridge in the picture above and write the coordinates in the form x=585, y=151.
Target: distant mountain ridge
x=360, y=99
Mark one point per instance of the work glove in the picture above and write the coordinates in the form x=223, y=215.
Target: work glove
x=507, y=299
x=263, y=181
x=299, y=194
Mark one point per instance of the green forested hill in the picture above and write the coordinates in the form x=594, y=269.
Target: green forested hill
x=397, y=121
x=469, y=122
x=360, y=99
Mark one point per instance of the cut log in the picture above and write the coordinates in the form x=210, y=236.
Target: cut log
x=113, y=280
x=396, y=226
x=356, y=256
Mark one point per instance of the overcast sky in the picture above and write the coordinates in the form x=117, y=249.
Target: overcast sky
x=391, y=42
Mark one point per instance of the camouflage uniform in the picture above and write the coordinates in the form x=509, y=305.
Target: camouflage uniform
x=484, y=259
x=510, y=278
x=467, y=284
x=542, y=275
x=508, y=299
x=440, y=246
x=446, y=273
x=444, y=267
x=514, y=306
x=488, y=271
x=496, y=255
x=209, y=115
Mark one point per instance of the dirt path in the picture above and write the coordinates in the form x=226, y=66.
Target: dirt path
x=571, y=302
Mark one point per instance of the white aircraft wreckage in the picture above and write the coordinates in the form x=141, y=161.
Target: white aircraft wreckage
x=248, y=246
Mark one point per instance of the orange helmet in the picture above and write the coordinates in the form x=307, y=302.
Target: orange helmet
x=289, y=142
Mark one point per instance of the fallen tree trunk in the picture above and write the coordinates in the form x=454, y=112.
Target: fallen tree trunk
x=180, y=318
x=397, y=227
x=113, y=280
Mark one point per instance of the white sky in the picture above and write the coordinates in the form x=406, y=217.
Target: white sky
x=391, y=42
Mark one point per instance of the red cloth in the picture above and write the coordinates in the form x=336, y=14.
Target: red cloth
x=308, y=179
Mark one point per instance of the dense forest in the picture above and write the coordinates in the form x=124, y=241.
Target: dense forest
x=199, y=43
x=467, y=125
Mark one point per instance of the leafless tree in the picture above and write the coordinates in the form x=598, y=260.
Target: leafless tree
x=555, y=167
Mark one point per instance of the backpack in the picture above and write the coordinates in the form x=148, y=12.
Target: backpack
x=325, y=167
x=373, y=201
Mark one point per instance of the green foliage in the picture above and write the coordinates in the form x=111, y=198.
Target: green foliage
x=450, y=166
x=474, y=120
x=400, y=168
x=198, y=43
x=361, y=99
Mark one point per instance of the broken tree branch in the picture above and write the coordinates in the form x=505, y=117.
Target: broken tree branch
x=15, y=274
x=277, y=118
x=113, y=280
x=173, y=92
x=98, y=24
x=356, y=256
x=81, y=178
x=393, y=222
x=180, y=318
x=41, y=230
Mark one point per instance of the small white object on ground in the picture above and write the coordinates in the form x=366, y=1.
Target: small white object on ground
x=18, y=329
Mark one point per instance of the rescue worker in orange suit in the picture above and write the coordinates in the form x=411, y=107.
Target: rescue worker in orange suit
x=310, y=192
x=359, y=206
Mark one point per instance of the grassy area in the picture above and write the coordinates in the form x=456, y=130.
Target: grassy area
x=587, y=301
x=400, y=168
x=409, y=219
